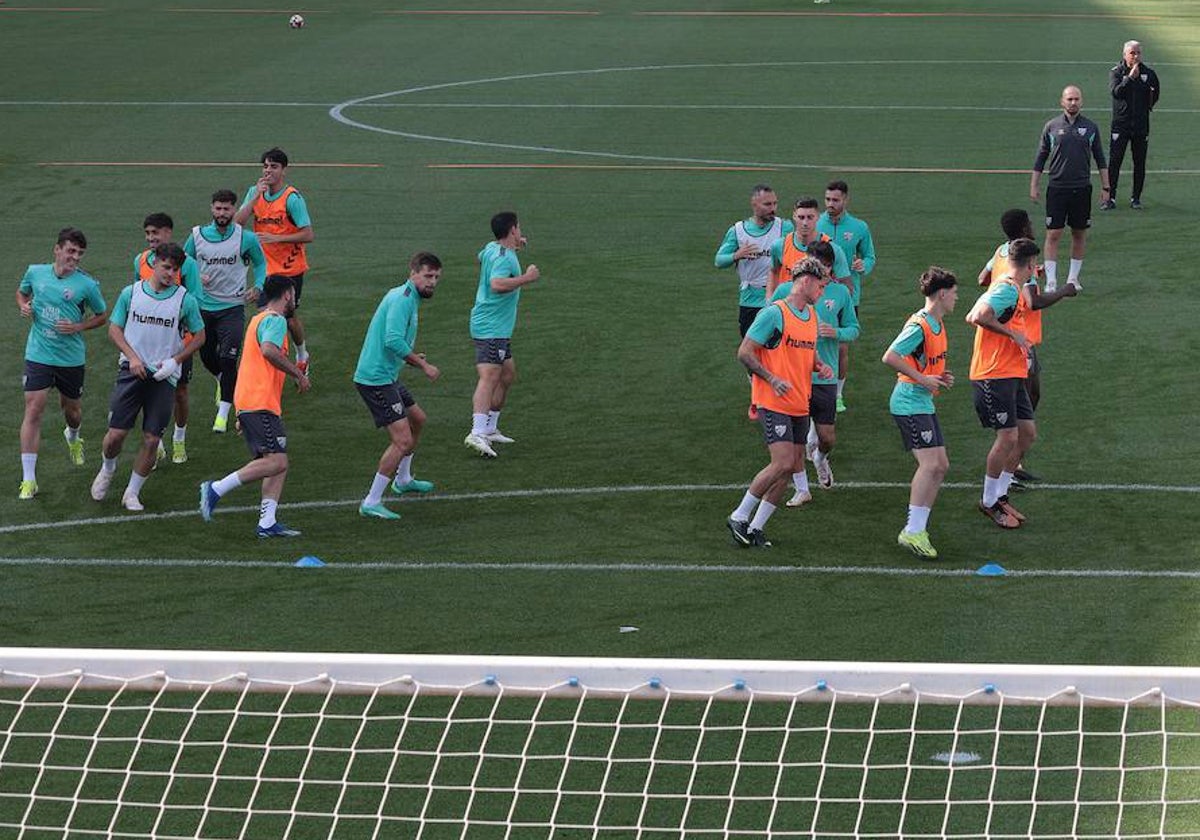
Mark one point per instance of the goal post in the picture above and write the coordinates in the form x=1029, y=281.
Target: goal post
x=234, y=744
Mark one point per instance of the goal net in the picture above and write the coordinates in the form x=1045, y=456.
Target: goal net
x=168, y=744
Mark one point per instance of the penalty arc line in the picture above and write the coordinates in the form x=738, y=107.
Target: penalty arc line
x=542, y=492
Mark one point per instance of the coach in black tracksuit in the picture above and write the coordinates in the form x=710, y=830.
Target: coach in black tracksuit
x=1135, y=91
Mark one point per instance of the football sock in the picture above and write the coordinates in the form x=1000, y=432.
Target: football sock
x=765, y=509
x=746, y=508
x=479, y=423
x=1051, y=273
x=1005, y=480
x=800, y=481
x=302, y=351
x=180, y=433
x=378, y=485
x=991, y=490
x=841, y=386
x=229, y=482
x=109, y=465
x=29, y=466
x=266, y=513
x=404, y=472
x=223, y=410
x=135, y=483
x=72, y=434
x=812, y=439
x=918, y=519
x=1076, y=268
x=493, y=420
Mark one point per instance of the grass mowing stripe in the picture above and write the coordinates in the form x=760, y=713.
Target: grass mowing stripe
x=541, y=492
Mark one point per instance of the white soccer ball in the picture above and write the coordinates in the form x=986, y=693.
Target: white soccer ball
x=296, y=22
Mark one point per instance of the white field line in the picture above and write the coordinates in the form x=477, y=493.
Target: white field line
x=572, y=491
x=918, y=571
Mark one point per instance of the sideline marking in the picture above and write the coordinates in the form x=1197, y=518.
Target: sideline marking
x=197, y=164
x=574, y=491
x=605, y=166
x=653, y=568
x=337, y=112
x=51, y=9
x=251, y=11
x=1006, y=15
x=530, y=12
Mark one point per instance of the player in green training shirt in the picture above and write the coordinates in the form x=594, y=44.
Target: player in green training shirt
x=387, y=348
x=55, y=297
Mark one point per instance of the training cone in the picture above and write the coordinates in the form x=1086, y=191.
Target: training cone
x=309, y=562
x=991, y=570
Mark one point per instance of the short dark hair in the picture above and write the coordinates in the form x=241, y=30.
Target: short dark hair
x=503, y=223
x=840, y=186
x=1022, y=251
x=172, y=252
x=1013, y=223
x=159, y=220
x=275, y=155
x=761, y=188
x=225, y=197
x=424, y=259
x=72, y=234
x=934, y=279
x=822, y=251
x=276, y=285
x=806, y=202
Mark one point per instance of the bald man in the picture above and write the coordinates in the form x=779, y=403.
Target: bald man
x=1069, y=143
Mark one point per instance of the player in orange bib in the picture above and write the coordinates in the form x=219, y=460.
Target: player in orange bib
x=259, y=396
x=278, y=215
x=780, y=351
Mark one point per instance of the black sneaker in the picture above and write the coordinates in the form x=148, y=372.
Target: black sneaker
x=1108, y=205
x=740, y=531
x=758, y=539
x=1022, y=474
x=1135, y=204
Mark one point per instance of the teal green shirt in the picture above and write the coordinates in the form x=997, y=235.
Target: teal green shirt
x=272, y=330
x=494, y=314
x=748, y=295
x=59, y=299
x=908, y=398
x=767, y=328
x=841, y=268
x=1002, y=298
x=251, y=252
x=853, y=238
x=189, y=313
x=834, y=308
x=295, y=205
x=391, y=336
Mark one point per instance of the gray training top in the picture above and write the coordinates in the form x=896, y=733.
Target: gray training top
x=1068, y=146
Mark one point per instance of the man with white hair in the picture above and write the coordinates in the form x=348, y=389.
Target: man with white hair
x=1135, y=91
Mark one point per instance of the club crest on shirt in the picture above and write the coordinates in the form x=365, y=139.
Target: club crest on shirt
x=1144, y=77
x=848, y=235
x=68, y=294
x=1082, y=131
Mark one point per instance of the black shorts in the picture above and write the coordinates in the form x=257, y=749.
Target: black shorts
x=297, y=282
x=224, y=330
x=154, y=400
x=68, y=380
x=492, y=351
x=1000, y=403
x=782, y=428
x=746, y=316
x=1068, y=207
x=264, y=432
x=919, y=431
x=387, y=403
x=822, y=405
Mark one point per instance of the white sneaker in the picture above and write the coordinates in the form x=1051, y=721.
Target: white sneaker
x=1074, y=281
x=825, y=474
x=101, y=483
x=498, y=437
x=480, y=444
x=802, y=497
x=131, y=502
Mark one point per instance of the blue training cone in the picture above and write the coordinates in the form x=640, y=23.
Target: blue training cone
x=309, y=562
x=991, y=570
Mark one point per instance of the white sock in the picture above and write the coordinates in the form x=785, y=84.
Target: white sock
x=746, y=508
x=266, y=513
x=135, y=484
x=812, y=439
x=29, y=466
x=820, y=457
x=229, y=482
x=378, y=485
x=493, y=420
x=918, y=519
x=302, y=351
x=991, y=490
x=800, y=481
x=223, y=410
x=1076, y=268
x=1005, y=480
x=479, y=423
x=109, y=465
x=180, y=434
x=404, y=472
x=1051, y=267
x=841, y=386
x=72, y=434
x=765, y=509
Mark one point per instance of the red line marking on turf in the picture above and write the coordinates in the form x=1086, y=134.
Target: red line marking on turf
x=539, y=12
x=99, y=163
x=585, y=166
x=1008, y=15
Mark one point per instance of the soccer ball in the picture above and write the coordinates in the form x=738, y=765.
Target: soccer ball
x=296, y=22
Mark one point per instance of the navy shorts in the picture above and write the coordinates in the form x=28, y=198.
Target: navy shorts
x=492, y=351
x=387, y=403
x=822, y=405
x=153, y=399
x=68, y=380
x=919, y=431
x=782, y=428
x=263, y=432
x=1000, y=403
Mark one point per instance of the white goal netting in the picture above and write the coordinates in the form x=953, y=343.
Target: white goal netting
x=379, y=747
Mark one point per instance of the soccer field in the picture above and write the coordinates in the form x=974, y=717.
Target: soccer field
x=627, y=135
